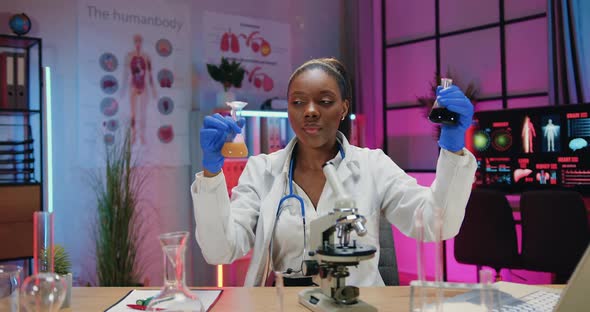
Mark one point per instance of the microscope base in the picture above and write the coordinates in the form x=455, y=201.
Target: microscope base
x=315, y=300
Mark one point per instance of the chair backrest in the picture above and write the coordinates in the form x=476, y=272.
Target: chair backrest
x=488, y=235
x=387, y=260
x=554, y=231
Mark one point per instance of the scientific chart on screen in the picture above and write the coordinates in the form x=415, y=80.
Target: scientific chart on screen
x=534, y=148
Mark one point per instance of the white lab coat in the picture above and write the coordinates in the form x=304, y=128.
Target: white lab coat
x=226, y=230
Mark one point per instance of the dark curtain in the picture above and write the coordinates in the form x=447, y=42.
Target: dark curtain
x=569, y=51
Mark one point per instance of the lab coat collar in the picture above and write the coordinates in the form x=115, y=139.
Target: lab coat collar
x=279, y=161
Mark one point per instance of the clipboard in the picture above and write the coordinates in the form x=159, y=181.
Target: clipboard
x=208, y=298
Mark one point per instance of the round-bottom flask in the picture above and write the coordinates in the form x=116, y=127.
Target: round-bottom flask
x=174, y=295
x=43, y=292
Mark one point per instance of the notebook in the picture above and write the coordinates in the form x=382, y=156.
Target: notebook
x=208, y=298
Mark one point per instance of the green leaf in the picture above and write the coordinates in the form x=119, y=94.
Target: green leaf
x=214, y=72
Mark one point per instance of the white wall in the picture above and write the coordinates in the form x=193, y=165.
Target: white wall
x=315, y=32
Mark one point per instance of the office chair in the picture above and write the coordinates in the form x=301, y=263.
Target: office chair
x=488, y=235
x=554, y=231
x=387, y=260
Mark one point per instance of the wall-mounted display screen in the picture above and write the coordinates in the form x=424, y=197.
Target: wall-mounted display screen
x=533, y=148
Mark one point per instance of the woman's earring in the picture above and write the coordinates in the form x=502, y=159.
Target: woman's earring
x=343, y=117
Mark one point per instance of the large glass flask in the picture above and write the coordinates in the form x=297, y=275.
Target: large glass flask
x=440, y=114
x=175, y=296
x=438, y=295
x=44, y=291
x=235, y=148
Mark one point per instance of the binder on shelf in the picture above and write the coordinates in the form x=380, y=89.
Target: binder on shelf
x=22, y=92
x=10, y=93
x=3, y=82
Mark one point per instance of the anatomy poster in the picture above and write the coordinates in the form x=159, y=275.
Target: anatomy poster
x=134, y=73
x=261, y=46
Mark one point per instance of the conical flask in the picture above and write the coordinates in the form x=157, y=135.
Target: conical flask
x=440, y=114
x=236, y=148
x=174, y=295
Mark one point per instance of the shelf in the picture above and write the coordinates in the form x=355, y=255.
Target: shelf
x=21, y=150
x=9, y=41
x=23, y=183
x=5, y=111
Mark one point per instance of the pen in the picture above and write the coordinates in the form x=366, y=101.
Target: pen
x=144, y=302
x=141, y=307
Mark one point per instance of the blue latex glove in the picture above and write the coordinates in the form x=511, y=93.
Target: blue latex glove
x=452, y=137
x=215, y=132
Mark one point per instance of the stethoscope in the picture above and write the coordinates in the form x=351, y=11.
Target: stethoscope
x=280, y=208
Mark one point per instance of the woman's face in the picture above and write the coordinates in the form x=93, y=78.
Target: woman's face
x=315, y=108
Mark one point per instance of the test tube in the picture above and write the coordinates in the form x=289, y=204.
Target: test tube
x=419, y=226
x=488, y=293
x=438, y=260
x=438, y=257
x=43, y=256
x=279, y=287
x=440, y=114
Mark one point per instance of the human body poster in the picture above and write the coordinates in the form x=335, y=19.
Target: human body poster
x=134, y=74
x=261, y=46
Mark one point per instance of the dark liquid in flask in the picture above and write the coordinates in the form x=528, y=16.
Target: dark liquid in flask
x=443, y=116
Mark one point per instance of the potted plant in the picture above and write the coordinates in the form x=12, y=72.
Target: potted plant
x=118, y=234
x=470, y=92
x=226, y=73
x=229, y=74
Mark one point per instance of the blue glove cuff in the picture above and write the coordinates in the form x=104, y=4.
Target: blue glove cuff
x=454, y=145
x=212, y=161
x=453, y=149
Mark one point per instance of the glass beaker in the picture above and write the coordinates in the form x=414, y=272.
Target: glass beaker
x=10, y=279
x=235, y=148
x=440, y=114
x=174, y=295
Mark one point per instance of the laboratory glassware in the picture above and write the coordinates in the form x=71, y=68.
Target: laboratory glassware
x=44, y=291
x=439, y=295
x=10, y=280
x=235, y=148
x=440, y=114
x=175, y=295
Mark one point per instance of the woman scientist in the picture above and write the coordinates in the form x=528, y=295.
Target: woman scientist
x=258, y=215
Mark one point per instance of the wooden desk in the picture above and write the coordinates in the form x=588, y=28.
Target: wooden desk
x=259, y=299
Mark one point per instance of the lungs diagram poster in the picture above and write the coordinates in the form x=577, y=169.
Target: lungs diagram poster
x=261, y=46
x=134, y=77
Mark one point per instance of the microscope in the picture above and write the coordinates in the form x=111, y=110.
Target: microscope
x=330, y=258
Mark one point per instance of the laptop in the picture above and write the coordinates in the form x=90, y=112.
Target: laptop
x=521, y=297
x=575, y=296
